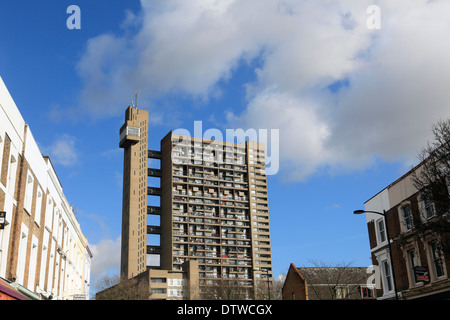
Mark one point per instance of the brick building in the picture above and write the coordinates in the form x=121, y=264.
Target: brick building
x=43, y=251
x=419, y=267
x=327, y=283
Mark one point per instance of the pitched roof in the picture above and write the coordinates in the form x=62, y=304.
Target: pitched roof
x=333, y=275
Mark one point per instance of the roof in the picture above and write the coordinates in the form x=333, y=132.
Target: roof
x=333, y=275
x=296, y=271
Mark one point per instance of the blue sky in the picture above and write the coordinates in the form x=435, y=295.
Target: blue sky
x=353, y=104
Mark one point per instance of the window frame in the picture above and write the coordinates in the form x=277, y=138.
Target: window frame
x=413, y=262
x=381, y=231
x=437, y=259
x=367, y=292
x=29, y=187
x=11, y=176
x=388, y=281
x=341, y=292
x=426, y=203
x=407, y=222
x=38, y=205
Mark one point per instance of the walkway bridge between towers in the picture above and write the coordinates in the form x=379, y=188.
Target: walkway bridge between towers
x=154, y=210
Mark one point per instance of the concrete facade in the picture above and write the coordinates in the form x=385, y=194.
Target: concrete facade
x=213, y=208
x=157, y=284
x=134, y=141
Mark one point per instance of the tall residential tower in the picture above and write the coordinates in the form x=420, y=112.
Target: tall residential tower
x=213, y=209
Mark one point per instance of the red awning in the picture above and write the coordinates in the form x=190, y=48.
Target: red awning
x=8, y=292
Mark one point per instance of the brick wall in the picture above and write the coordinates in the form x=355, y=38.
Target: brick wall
x=417, y=240
x=294, y=287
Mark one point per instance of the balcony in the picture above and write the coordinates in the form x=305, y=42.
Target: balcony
x=128, y=136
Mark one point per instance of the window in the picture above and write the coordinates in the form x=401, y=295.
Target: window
x=436, y=255
x=175, y=293
x=29, y=193
x=22, y=254
x=407, y=222
x=158, y=280
x=158, y=290
x=412, y=257
x=43, y=269
x=341, y=292
x=37, y=213
x=12, y=170
x=56, y=214
x=32, y=264
x=49, y=213
x=366, y=292
x=381, y=230
x=51, y=263
x=387, y=275
x=427, y=207
x=176, y=282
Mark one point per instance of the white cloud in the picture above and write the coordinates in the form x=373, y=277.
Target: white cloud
x=396, y=76
x=106, y=257
x=190, y=46
x=390, y=104
x=302, y=132
x=396, y=89
x=63, y=151
x=118, y=178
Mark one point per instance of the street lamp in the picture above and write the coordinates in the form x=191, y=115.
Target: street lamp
x=389, y=242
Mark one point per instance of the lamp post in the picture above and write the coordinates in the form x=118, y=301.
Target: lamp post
x=388, y=240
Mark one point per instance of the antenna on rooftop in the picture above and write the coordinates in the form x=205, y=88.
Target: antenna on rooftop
x=135, y=102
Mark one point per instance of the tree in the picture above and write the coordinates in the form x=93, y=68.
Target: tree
x=106, y=282
x=263, y=288
x=432, y=176
x=278, y=283
x=112, y=288
x=340, y=281
x=432, y=179
x=225, y=289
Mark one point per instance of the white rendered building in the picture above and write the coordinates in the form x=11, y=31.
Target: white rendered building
x=43, y=251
